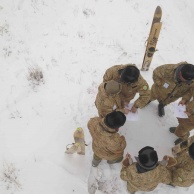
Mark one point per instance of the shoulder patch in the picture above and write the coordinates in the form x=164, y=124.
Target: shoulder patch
x=145, y=87
x=180, y=179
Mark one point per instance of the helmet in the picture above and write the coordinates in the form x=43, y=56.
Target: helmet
x=187, y=71
x=148, y=157
x=112, y=87
x=115, y=119
x=130, y=74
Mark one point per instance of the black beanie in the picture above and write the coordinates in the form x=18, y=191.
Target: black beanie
x=115, y=119
x=148, y=157
x=187, y=71
x=130, y=74
x=191, y=150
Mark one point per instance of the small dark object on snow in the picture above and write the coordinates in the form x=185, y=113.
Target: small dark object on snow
x=161, y=112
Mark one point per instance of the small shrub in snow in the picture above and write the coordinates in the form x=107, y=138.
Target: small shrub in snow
x=9, y=177
x=4, y=29
x=35, y=76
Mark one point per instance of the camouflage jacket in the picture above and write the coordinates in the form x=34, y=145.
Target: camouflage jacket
x=108, y=146
x=183, y=173
x=107, y=103
x=164, y=77
x=147, y=181
x=129, y=90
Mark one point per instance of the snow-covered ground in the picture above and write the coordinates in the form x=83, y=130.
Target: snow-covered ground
x=73, y=42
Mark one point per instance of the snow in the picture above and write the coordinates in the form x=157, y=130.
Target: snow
x=73, y=42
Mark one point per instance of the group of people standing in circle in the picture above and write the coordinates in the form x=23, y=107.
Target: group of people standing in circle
x=120, y=85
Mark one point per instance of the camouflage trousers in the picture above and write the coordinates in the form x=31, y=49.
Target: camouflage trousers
x=97, y=159
x=182, y=130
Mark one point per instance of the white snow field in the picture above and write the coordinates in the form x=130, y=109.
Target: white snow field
x=73, y=42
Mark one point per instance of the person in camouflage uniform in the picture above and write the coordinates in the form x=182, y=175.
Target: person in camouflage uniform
x=185, y=124
x=107, y=144
x=132, y=83
x=183, y=172
x=171, y=81
x=108, y=98
x=146, y=173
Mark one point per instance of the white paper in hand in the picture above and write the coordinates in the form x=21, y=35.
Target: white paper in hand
x=132, y=116
x=179, y=110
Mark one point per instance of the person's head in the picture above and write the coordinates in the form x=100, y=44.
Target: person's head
x=187, y=72
x=129, y=74
x=112, y=87
x=191, y=151
x=147, y=158
x=114, y=120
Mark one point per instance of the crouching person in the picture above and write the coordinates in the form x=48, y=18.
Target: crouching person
x=183, y=172
x=146, y=173
x=107, y=144
x=185, y=124
x=108, y=98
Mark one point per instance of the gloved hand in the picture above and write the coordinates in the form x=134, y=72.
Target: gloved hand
x=168, y=161
x=128, y=160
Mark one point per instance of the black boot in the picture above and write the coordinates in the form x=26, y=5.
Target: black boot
x=161, y=112
x=172, y=129
x=95, y=162
x=179, y=140
x=184, y=144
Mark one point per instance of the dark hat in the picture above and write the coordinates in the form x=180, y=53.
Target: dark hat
x=112, y=87
x=187, y=71
x=191, y=150
x=130, y=74
x=147, y=158
x=115, y=119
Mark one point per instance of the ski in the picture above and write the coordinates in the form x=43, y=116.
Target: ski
x=152, y=39
x=182, y=146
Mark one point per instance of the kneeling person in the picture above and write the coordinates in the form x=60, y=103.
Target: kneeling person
x=132, y=83
x=185, y=124
x=108, y=98
x=146, y=173
x=183, y=172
